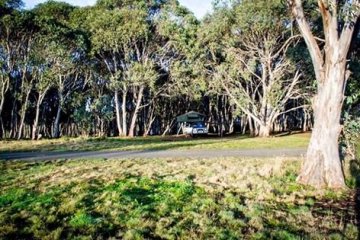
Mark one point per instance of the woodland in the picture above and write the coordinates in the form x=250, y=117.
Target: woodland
x=128, y=68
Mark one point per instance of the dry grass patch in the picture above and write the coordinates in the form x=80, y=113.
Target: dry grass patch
x=155, y=143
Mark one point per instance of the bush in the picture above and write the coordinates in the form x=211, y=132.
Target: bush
x=350, y=137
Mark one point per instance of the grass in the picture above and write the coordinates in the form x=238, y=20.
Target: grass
x=169, y=199
x=155, y=143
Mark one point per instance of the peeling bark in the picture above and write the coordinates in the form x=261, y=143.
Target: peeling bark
x=322, y=166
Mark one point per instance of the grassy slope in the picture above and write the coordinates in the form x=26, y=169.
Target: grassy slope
x=155, y=143
x=168, y=198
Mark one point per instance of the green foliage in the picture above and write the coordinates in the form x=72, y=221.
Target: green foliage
x=112, y=29
x=350, y=136
x=259, y=15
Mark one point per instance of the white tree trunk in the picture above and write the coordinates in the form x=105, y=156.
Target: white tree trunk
x=118, y=114
x=23, y=114
x=322, y=166
x=124, y=114
x=264, y=130
x=136, y=111
x=2, y=131
x=56, y=133
x=36, y=121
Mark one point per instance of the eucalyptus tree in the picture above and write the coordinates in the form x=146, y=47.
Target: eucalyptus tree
x=62, y=45
x=322, y=166
x=7, y=52
x=179, y=59
x=16, y=39
x=248, y=60
x=43, y=80
x=28, y=30
x=122, y=39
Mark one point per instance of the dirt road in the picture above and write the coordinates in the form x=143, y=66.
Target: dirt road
x=204, y=153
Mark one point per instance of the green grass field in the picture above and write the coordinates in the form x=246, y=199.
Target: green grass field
x=155, y=143
x=169, y=199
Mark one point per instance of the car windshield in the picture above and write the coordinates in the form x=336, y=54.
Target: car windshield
x=198, y=125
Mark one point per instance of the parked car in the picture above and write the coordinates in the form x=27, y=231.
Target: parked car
x=197, y=128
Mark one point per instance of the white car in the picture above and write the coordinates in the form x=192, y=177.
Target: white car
x=195, y=129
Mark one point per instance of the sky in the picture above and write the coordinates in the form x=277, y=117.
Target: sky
x=199, y=7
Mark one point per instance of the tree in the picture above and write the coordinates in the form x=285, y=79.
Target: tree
x=322, y=166
x=62, y=47
x=124, y=40
x=253, y=66
x=16, y=38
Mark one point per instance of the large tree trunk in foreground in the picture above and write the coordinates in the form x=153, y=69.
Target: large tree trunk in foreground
x=322, y=166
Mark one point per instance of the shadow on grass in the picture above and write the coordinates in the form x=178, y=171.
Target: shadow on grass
x=107, y=144
x=138, y=143
x=136, y=207
x=73, y=145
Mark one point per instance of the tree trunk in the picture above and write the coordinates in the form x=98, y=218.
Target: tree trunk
x=264, y=130
x=124, y=114
x=37, y=113
x=322, y=166
x=118, y=115
x=305, y=121
x=36, y=121
x=56, y=133
x=150, y=121
x=2, y=131
x=136, y=111
x=14, y=117
x=23, y=114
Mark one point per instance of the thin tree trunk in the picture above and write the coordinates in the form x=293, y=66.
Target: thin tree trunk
x=124, y=114
x=2, y=131
x=36, y=121
x=23, y=114
x=13, y=122
x=136, y=111
x=37, y=113
x=56, y=133
x=151, y=120
x=305, y=123
x=168, y=127
x=118, y=114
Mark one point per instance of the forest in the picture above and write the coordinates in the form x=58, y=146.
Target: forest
x=128, y=68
